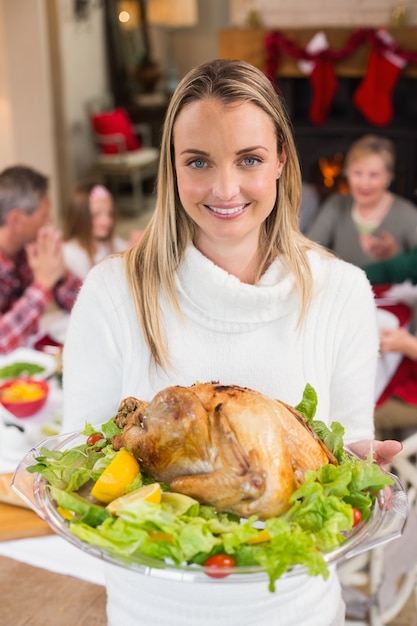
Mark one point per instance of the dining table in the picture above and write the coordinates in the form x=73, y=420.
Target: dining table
x=45, y=580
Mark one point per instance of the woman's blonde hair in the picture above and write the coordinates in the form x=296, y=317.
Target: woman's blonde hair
x=369, y=145
x=151, y=264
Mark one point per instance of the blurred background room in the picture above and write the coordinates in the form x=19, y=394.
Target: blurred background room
x=62, y=61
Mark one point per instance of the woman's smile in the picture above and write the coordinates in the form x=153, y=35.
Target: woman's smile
x=228, y=212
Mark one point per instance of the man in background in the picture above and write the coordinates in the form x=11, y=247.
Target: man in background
x=32, y=270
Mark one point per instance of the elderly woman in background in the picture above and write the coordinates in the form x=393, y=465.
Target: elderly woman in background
x=370, y=223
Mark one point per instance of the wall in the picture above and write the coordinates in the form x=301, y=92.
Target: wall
x=300, y=13
x=26, y=120
x=6, y=143
x=83, y=77
x=199, y=44
x=50, y=66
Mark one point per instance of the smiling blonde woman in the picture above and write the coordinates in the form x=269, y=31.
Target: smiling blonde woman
x=224, y=287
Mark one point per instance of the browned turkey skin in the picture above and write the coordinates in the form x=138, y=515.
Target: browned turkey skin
x=227, y=446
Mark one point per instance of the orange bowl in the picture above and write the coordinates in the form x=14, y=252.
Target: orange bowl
x=24, y=397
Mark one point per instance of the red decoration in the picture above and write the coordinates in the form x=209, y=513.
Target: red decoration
x=115, y=122
x=275, y=43
x=373, y=97
x=322, y=78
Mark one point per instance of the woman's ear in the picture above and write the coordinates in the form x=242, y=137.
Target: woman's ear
x=282, y=159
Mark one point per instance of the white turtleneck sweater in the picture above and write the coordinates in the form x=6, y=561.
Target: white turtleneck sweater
x=233, y=333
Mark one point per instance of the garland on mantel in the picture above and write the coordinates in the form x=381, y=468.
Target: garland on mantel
x=373, y=96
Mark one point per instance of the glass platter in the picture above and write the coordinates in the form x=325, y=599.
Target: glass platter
x=385, y=524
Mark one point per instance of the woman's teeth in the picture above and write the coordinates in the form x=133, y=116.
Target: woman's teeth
x=227, y=211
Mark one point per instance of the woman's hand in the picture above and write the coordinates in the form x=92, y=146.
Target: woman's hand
x=383, y=451
x=398, y=340
x=381, y=246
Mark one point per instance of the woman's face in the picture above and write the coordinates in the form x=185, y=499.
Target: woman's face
x=368, y=178
x=227, y=167
x=102, y=217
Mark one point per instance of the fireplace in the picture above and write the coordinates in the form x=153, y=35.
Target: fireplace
x=344, y=123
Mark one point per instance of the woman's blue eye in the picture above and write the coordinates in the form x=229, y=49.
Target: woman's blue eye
x=198, y=163
x=250, y=160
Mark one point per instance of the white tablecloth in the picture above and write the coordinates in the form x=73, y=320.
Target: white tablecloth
x=52, y=552
x=56, y=555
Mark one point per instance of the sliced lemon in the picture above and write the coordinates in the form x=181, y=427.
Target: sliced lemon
x=65, y=513
x=120, y=472
x=177, y=503
x=261, y=537
x=149, y=493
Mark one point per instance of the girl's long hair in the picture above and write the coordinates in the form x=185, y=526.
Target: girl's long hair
x=78, y=224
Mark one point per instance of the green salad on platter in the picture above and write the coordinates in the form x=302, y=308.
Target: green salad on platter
x=108, y=501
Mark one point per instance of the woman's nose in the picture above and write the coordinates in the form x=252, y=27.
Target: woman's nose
x=226, y=184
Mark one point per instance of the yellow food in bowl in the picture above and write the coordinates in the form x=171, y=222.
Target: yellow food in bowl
x=21, y=391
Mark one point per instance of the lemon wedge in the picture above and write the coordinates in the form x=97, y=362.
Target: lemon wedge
x=261, y=537
x=177, y=503
x=65, y=513
x=148, y=493
x=120, y=472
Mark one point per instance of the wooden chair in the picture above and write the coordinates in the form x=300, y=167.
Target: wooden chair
x=395, y=419
x=378, y=584
x=125, y=168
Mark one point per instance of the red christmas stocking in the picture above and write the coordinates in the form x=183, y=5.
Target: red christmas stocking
x=322, y=79
x=373, y=97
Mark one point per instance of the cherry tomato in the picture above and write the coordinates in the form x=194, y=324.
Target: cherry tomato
x=218, y=562
x=92, y=439
x=357, y=516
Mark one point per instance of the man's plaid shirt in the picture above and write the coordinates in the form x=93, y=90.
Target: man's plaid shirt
x=22, y=302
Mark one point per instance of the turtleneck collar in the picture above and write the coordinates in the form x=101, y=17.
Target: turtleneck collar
x=210, y=293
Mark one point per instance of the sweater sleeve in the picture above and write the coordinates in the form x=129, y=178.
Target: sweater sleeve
x=395, y=270
x=354, y=356
x=92, y=358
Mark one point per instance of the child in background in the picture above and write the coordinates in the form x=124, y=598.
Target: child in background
x=89, y=229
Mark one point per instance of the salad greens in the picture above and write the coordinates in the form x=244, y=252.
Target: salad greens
x=17, y=369
x=318, y=520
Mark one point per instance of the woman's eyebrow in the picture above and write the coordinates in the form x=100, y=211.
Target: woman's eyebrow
x=241, y=151
x=251, y=149
x=194, y=151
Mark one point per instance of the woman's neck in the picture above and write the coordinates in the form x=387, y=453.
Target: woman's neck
x=376, y=210
x=234, y=259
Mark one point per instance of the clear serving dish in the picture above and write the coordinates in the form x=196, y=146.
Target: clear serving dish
x=385, y=524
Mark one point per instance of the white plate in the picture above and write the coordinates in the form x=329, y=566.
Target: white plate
x=27, y=355
x=387, y=320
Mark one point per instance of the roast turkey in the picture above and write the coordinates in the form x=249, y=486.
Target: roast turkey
x=227, y=446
